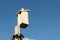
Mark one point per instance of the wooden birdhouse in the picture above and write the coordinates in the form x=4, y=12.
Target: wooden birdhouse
x=23, y=20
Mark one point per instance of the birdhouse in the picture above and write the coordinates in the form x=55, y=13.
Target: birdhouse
x=23, y=18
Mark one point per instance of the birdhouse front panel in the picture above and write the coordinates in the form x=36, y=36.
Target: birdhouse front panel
x=25, y=21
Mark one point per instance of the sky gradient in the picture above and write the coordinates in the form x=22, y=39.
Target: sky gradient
x=44, y=16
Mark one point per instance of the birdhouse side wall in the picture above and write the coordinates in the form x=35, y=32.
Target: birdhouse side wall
x=19, y=19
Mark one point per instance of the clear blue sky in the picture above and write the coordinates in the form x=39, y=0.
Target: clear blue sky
x=44, y=15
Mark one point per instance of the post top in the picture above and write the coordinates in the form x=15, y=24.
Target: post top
x=22, y=8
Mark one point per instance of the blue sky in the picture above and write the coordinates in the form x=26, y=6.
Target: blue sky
x=44, y=15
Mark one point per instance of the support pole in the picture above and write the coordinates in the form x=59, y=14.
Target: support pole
x=22, y=22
